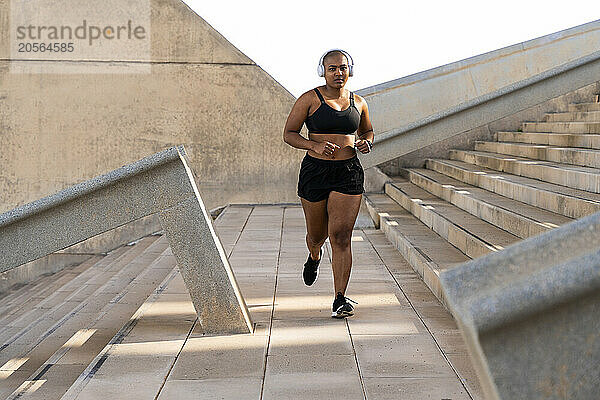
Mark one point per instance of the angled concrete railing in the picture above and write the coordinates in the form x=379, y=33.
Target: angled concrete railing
x=161, y=183
x=484, y=109
x=530, y=314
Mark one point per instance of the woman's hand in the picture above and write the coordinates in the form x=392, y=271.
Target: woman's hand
x=325, y=148
x=362, y=146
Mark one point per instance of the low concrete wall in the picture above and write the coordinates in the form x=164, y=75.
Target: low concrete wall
x=405, y=100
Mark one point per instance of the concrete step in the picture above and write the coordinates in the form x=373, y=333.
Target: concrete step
x=20, y=300
x=590, y=116
x=471, y=235
x=566, y=155
x=577, y=177
x=34, y=285
x=520, y=219
x=111, y=323
x=573, y=203
x=32, y=308
x=73, y=290
x=382, y=205
x=583, y=140
x=39, y=336
x=562, y=127
x=584, y=107
x=426, y=251
x=146, y=346
x=23, y=334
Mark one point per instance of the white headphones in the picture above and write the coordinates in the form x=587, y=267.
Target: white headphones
x=321, y=68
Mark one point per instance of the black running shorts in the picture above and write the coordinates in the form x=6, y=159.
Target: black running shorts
x=319, y=177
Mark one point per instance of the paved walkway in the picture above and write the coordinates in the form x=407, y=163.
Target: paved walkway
x=401, y=343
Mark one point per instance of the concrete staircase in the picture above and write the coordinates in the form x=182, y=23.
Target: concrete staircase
x=485, y=199
x=52, y=329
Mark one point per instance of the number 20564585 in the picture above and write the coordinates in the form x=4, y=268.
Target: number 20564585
x=46, y=47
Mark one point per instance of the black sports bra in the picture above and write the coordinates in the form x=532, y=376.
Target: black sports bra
x=329, y=120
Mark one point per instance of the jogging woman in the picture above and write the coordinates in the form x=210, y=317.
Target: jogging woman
x=331, y=178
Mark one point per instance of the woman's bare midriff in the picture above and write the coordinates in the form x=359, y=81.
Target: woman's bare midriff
x=346, y=143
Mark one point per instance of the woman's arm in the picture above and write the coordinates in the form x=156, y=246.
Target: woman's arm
x=365, y=129
x=291, y=132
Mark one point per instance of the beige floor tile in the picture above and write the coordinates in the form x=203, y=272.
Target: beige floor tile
x=212, y=389
x=302, y=306
x=463, y=364
x=400, y=356
x=451, y=342
x=144, y=384
x=260, y=313
x=10, y=383
x=125, y=372
x=395, y=323
x=440, y=323
x=85, y=353
x=415, y=389
x=312, y=377
x=310, y=337
x=56, y=381
x=159, y=330
x=221, y=357
x=296, y=287
x=373, y=294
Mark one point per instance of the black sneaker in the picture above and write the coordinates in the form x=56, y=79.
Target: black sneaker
x=341, y=307
x=311, y=269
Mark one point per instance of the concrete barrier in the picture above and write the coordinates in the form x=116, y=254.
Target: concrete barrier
x=161, y=183
x=530, y=314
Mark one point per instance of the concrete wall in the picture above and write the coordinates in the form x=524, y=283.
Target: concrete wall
x=399, y=102
x=60, y=129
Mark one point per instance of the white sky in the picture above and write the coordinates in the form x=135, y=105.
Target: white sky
x=387, y=39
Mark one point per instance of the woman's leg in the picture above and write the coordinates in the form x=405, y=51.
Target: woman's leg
x=315, y=214
x=342, y=210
